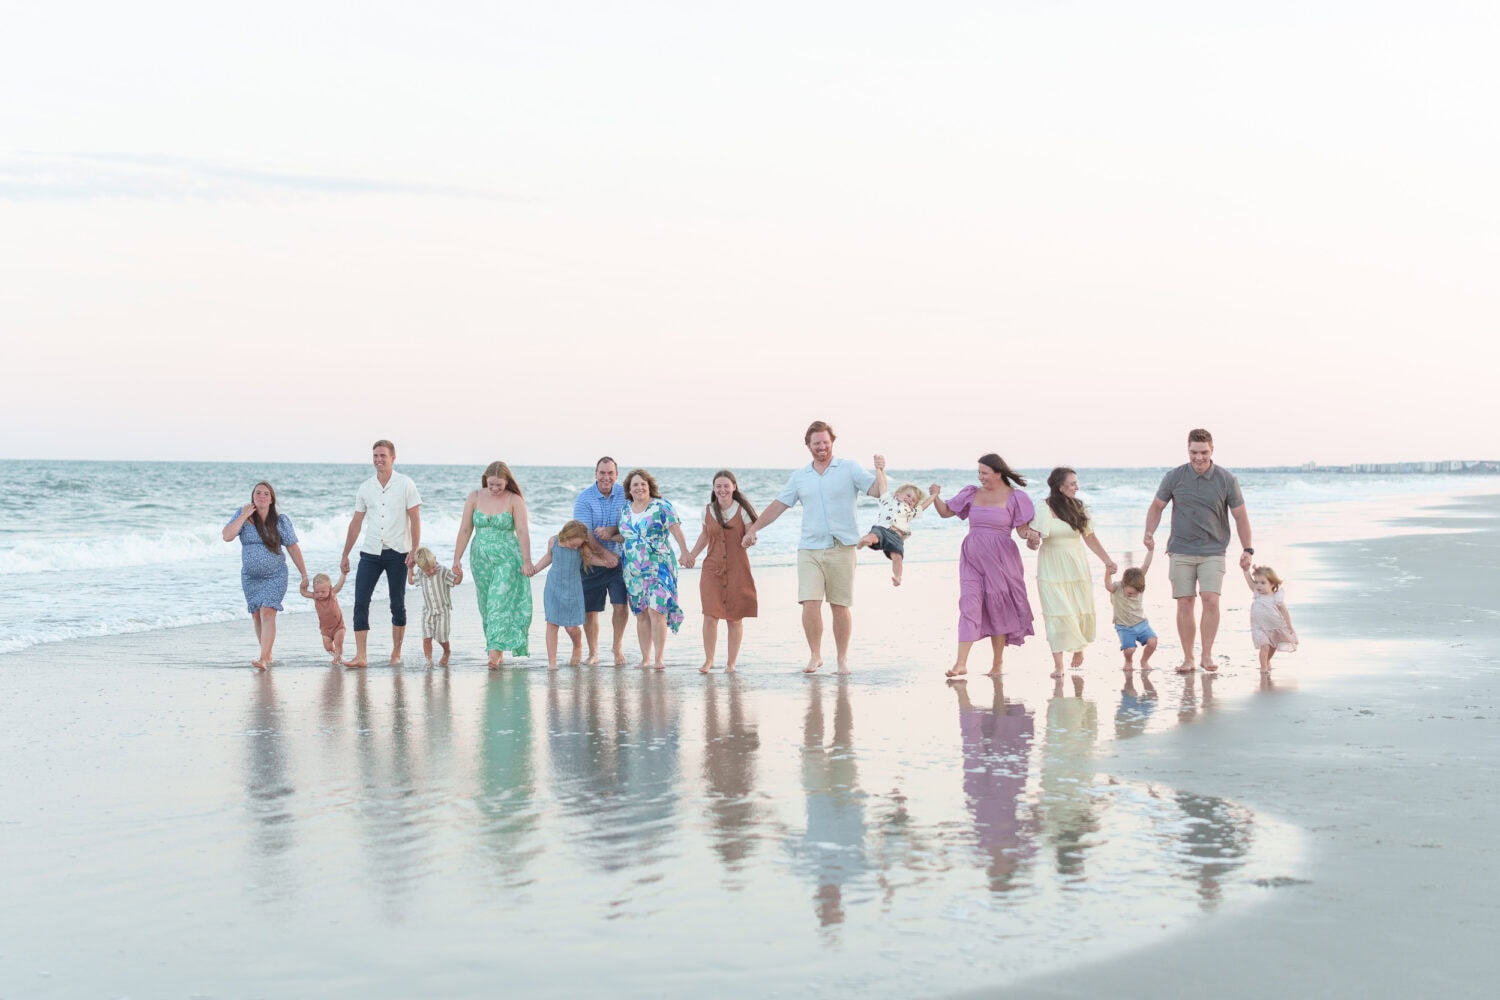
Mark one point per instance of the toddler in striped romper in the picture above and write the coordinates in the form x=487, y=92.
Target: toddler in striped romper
x=437, y=601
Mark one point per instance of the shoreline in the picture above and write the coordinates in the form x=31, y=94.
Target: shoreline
x=1386, y=769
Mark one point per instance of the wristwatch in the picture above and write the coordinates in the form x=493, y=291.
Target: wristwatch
x=1249, y=550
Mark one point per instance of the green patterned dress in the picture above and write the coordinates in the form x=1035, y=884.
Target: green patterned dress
x=504, y=591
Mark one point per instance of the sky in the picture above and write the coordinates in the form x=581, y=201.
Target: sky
x=1066, y=231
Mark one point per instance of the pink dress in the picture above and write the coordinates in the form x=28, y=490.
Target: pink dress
x=991, y=583
x=1268, y=626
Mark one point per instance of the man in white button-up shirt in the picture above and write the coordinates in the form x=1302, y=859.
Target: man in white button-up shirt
x=389, y=508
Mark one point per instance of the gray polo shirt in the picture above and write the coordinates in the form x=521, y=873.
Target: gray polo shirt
x=1200, y=509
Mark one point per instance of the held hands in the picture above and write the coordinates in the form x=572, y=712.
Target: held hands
x=1110, y=567
x=1033, y=540
x=603, y=533
x=748, y=540
x=458, y=572
x=344, y=565
x=1150, y=542
x=934, y=491
x=688, y=560
x=879, y=463
x=411, y=559
x=1245, y=561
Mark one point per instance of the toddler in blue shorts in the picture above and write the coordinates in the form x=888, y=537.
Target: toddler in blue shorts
x=1130, y=617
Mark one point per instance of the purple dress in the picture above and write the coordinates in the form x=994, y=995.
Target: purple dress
x=991, y=584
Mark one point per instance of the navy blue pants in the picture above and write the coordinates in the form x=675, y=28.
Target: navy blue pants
x=393, y=565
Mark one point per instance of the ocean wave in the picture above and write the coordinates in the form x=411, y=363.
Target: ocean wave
x=125, y=549
x=14, y=640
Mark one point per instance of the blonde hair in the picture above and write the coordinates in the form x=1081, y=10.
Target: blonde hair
x=322, y=578
x=593, y=552
x=1270, y=576
x=425, y=558
x=909, y=486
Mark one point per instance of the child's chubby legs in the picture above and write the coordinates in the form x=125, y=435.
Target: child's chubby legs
x=867, y=540
x=447, y=652
x=896, y=559
x=427, y=649
x=335, y=644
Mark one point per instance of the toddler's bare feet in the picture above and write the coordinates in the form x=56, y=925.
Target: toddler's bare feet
x=443, y=662
x=895, y=581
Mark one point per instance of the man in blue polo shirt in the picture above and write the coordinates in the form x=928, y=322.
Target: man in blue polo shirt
x=827, y=488
x=599, y=506
x=1204, y=496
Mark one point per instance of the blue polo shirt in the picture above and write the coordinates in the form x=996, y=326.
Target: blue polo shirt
x=596, y=510
x=827, y=502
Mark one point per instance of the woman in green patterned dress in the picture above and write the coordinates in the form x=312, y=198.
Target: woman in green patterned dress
x=496, y=518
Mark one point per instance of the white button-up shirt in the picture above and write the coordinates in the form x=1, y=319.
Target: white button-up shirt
x=384, y=508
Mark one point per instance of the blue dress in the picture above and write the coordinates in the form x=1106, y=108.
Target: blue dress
x=263, y=574
x=562, y=598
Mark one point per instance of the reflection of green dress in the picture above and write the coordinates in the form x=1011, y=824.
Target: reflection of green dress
x=503, y=590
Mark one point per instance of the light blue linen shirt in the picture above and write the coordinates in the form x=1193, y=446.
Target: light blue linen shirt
x=596, y=510
x=827, y=502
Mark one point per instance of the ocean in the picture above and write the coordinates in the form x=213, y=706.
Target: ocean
x=109, y=548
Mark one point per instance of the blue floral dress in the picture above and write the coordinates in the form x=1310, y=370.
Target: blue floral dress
x=649, y=563
x=263, y=574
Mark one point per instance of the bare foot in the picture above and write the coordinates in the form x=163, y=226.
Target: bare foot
x=593, y=660
x=843, y=666
x=1185, y=667
x=551, y=666
x=355, y=664
x=1077, y=660
x=729, y=668
x=706, y=667
x=494, y=662
x=1146, y=667
x=812, y=666
x=395, y=659
x=658, y=665
x=993, y=671
x=1056, y=675
x=619, y=657
x=573, y=662
x=895, y=581
x=957, y=670
x=1210, y=666
x=444, y=661
x=257, y=664
x=335, y=662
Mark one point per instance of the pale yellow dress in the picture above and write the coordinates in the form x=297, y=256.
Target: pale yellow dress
x=1063, y=582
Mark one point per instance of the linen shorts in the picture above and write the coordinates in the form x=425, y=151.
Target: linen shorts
x=826, y=575
x=1135, y=635
x=437, y=625
x=887, y=541
x=1192, y=575
x=600, y=582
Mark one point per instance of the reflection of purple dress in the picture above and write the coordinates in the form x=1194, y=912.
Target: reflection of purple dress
x=991, y=586
x=995, y=766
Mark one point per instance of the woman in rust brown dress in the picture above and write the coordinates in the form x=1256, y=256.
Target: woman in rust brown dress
x=726, y=587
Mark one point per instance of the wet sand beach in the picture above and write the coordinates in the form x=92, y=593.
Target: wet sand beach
x=174, y=824
x=1392, y=770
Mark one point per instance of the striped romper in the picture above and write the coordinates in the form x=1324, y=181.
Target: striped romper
x=437, y=602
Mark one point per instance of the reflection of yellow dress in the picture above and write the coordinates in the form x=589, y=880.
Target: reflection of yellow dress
x=1063, y=582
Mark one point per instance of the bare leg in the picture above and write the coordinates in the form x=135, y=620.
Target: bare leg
x=843, y=628
x=896, y=559
x=1146, y=656
x=551, y=646
x=1057, y=670
x=1209, y=629
x=398, y=633
x=576, y=637
x=643, y=637
x=359, y=661
x=447, y=651
x=812, y=629
x=591, y=633
x=258, y=663
x=427, y=650
x=622, y=615
x=495, y=657
x=1077, y=659
x=1187, y=632
x=1130, y=658
x=710, y=640
x=997, y=655
x=267, y=634
x=658, y=637
x=866, y=541
x=960, y=661
x=736, y=633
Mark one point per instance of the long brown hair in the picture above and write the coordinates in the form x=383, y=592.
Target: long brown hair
x=502, y=470
x=1068, y=509
x=739, y=498
x=997, y=465
x=269, y=530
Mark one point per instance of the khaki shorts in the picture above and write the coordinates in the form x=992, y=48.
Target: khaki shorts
x=826, y=575
x=1192, y=575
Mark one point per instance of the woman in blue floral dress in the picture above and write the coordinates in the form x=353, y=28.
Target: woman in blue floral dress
x=650, y=565
x=263, y=534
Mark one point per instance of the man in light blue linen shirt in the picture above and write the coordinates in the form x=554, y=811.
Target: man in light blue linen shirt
x=827, y=488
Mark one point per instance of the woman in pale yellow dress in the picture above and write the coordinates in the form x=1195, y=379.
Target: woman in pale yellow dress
x=1063, y=580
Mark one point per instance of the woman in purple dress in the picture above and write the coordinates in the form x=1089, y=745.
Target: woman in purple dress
x=991, y=586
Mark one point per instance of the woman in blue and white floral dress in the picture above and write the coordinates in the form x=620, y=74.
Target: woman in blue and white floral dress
x=649, y=564
x=263, y=533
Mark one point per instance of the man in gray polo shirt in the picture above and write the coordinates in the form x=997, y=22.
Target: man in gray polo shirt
x=1203, y=498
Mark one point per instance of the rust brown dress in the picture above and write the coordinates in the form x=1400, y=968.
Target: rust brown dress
x=725, y=585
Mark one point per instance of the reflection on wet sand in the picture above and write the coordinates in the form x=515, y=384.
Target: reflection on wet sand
x=268, y=791
x=1068, y=808
x=997, y=750
x=1135, y=708
x=1190, y=706
x=1217, y=840
x=585, y=761
x=832, y=849
x=646, y=814
x=729, y=747
x=507, y=777
x=388, y=806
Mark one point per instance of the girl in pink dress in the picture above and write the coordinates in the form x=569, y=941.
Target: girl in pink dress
x=991, y=585
x=1270, y=622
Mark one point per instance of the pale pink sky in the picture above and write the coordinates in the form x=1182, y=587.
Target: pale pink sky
x=1066, y=232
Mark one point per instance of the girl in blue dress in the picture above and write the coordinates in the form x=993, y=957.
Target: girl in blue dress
x=569, y=552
